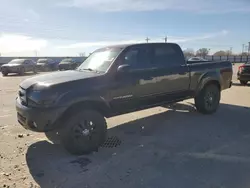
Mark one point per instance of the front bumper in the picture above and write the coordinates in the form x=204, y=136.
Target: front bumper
x=11, y=69
x=38, y=119
x=65, y=67
x=41, y=67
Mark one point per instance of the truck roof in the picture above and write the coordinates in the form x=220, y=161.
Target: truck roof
x=122, y=46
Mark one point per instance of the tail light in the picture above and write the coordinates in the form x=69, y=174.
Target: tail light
x=241, y=68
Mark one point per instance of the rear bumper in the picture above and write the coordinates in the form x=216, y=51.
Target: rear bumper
x=38, y=119
x=244, y=77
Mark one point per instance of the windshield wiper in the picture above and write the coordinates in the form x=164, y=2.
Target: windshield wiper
x=89, y=69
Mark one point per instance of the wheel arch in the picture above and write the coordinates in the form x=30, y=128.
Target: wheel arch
x=101, y=106
x=207, y=79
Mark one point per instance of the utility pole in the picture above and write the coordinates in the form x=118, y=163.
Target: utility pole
x=231, y=50
x=147, y=39
x=166, y=39
x=248, y=48
x=243, y=48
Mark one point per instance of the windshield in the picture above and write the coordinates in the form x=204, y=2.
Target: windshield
x=16, y=61
x=42, y=61
x=67, y=60
x=100, y=60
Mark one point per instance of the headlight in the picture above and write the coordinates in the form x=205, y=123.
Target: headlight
x=39, y=96
x=43, y=102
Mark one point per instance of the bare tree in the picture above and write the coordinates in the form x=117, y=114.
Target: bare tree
x=82, y=54
x=202, y=52
x=229, y=52
x=220, y=53
x=243, y=54
x=189, y=52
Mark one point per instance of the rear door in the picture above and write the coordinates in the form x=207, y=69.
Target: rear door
x=31, y=64
x=171, y=70
x=26, y=65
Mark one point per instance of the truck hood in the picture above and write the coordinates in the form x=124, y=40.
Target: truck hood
x=57, y=78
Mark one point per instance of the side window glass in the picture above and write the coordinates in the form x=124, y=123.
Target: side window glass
x=165, y=56
x=130, y=57
x=138, y=58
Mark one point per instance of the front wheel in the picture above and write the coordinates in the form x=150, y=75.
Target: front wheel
x=242, y=82
x=53, y=136
x=5, y=73
x=207, y=101
x=84, y=132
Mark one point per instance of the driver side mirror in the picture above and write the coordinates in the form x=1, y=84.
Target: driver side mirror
x=123, y=68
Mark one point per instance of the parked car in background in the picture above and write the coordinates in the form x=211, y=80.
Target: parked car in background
x=19, y=66
x=197, y=59
x=68, y=64
x=243, y=74
x=115, y=80
x=46, y=65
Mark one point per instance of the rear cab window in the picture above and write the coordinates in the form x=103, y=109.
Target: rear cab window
x=167, y=55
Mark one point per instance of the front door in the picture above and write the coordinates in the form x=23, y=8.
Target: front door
x=132, y=89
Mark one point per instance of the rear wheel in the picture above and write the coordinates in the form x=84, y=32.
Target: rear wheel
x=34, y=70
x=21, y=71
x=84, y=132
x=207, y=101
x=243, y=82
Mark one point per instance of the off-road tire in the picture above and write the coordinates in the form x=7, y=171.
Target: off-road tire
x=208, y=99
x=74, y=132
x=242, y=82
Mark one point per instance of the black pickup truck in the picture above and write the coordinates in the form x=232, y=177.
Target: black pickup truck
x=116, y=80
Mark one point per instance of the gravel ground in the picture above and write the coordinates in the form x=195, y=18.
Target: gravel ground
x=172, y=146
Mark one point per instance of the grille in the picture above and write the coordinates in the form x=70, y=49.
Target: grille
x=111, y=142
x=22, y=96
x=21, y=118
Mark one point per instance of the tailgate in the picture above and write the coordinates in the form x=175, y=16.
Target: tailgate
x=246, y=69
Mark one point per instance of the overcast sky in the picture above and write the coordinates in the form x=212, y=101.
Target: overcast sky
x=70, y=27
